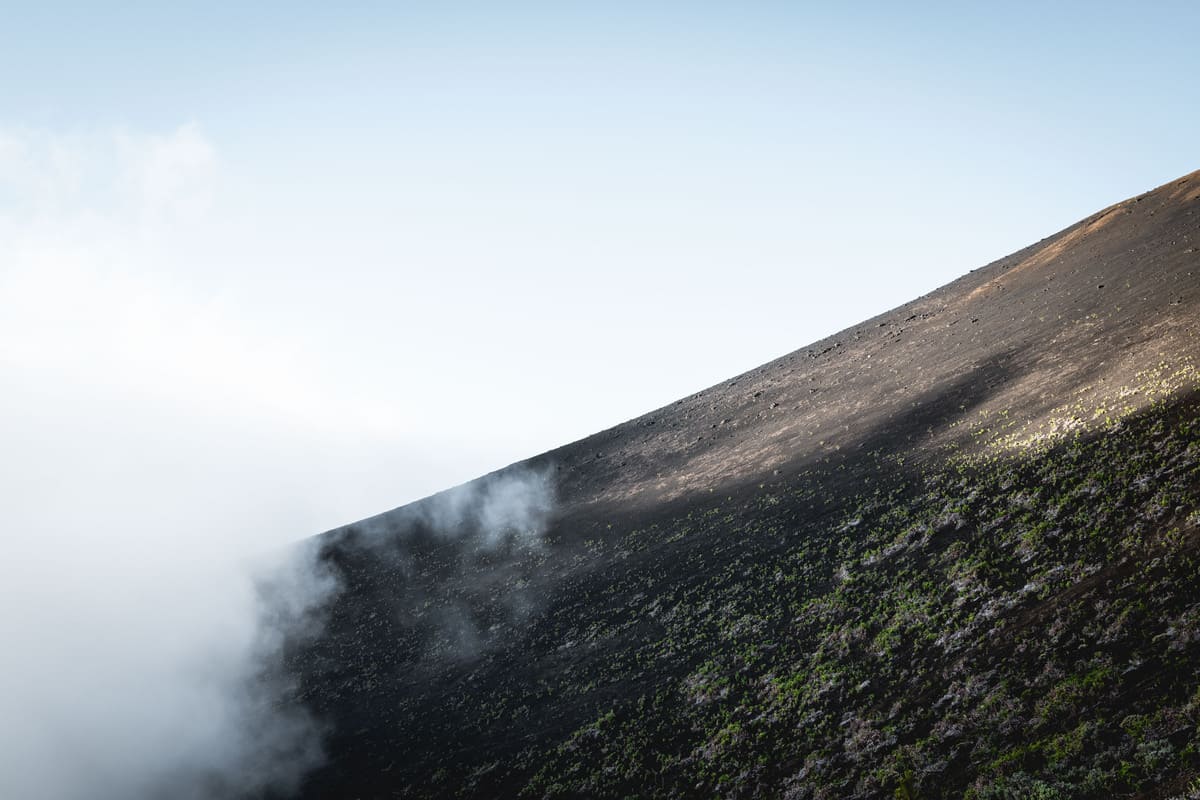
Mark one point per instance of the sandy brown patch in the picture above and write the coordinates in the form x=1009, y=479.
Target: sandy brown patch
x=1052, y=250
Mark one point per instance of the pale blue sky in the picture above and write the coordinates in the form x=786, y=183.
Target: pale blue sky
x=498, y=227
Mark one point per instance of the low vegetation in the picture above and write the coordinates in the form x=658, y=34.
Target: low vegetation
x=1016, y=616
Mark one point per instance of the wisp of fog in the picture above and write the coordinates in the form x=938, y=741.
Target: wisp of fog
x=163, y=460
x=472, y=561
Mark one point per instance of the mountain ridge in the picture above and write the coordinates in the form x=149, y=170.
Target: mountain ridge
x=1037, y=365
x=979, y=281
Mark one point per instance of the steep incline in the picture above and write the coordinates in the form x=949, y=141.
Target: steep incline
x=1096, y=302
x=952, y=549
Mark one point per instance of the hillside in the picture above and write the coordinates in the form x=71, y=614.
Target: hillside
x=950, y=551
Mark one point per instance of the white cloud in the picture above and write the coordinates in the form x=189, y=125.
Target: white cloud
x=148, y=429
x=171, y=175
x=97, y=283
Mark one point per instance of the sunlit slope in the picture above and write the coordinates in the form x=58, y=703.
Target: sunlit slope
x=1090, y=306
x=952, y=550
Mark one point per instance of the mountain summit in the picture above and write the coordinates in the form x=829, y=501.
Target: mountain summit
x=951, y=551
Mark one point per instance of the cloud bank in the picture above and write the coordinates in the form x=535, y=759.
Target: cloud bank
x=165, y=448
x=147, y=510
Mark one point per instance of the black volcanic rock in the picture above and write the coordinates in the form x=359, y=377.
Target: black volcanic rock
x=954, y=550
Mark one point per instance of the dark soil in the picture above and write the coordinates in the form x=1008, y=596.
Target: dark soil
x=951, y=551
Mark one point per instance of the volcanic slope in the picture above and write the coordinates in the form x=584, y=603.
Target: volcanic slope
x=952, y=551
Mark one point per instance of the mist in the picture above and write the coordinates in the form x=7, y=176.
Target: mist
x=165, y=456
x=137, y=636
x=511, y=506
x=168, y=450
x=469, y=564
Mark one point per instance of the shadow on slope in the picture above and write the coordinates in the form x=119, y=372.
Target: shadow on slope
x=655, y=632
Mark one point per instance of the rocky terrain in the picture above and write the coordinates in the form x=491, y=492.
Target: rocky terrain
x=950, y=552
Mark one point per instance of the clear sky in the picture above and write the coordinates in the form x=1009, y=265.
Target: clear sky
x=265, y=270
x=431, y=239
x=322, y=262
